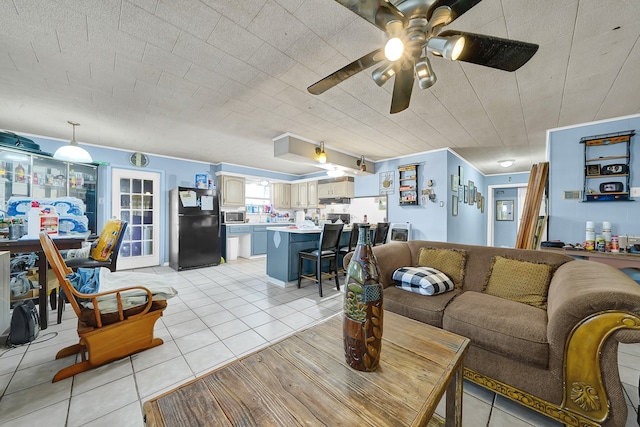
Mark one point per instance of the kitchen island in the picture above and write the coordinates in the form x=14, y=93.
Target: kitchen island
x=283, y=246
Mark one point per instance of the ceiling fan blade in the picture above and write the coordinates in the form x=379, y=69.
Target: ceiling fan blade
x=378, y=12
x=494, y=52
x=402, y=88
x=347, y=71
x=458, y=7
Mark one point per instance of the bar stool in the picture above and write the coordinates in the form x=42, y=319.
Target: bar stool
x=329, y=241
x=353, y=241
x=380, y=235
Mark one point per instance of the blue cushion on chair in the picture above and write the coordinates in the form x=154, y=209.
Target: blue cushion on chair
x=422, y=280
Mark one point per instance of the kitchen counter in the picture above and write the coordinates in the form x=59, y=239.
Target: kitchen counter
x=283, y=246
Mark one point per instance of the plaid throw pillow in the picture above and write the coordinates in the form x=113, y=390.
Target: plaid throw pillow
x=422, y=280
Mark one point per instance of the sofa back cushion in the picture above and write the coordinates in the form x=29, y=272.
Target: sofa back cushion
x=479, y=258
x=519, y=281
x=449, y=261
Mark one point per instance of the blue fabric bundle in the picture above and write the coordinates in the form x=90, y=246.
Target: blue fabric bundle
x=85, y=280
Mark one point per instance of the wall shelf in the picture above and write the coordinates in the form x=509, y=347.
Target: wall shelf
x=408, y=190
x=607, y=167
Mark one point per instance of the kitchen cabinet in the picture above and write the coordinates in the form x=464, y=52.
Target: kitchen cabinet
x=295, y=196
x=300, y=195
x=607, y=171
x=282, y=196
x=312, y=194
x=258, y=240
x=37, y=176
x=232, y=188
x=336, y=189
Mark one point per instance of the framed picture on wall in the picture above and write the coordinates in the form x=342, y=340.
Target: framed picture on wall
x=454, y=205
x=460, y=175
x=504, y=210
x=593, y=169
x=466, y=194
x=460, y=193
x=454, y=182
x=482, y=204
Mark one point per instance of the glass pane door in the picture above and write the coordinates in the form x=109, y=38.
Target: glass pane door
x=136, y=200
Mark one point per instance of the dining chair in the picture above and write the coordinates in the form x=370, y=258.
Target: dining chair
x=104, y=253
x=327, y=250
x=380, y=235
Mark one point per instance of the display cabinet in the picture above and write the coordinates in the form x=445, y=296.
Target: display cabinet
x=607, y=171
x=39, y=176
x=408, y=185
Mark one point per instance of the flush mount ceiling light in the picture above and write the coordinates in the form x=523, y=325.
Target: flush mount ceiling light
x=322, y=157
x=335, y=172
x=360, y=162
x=505, y=163
x=264, y=182
x=73, y=152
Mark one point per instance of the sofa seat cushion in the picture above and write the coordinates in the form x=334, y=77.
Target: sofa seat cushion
x=426, y=309
x=509, y=328
x=422, y=280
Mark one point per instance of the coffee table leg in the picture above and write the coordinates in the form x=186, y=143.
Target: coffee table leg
x=454, y=400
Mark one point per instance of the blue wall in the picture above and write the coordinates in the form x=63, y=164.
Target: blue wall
x=567, y=218
x=470, y=225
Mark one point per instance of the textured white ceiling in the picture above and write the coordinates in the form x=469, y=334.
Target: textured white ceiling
x=216, y=80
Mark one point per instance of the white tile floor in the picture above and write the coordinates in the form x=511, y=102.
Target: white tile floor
x=201, y=331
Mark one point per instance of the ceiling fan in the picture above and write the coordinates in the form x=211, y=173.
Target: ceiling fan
x=414, y=28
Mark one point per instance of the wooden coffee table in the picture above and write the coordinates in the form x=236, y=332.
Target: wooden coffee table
x=304, y=380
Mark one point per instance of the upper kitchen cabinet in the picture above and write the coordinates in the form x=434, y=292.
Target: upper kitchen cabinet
x=312, y=194
x=281, y=196
x=37, y=176
x=339, y=188
x=232, y=188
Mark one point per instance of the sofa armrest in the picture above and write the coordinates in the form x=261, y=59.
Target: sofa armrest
x=580, y=289
x=390, y=257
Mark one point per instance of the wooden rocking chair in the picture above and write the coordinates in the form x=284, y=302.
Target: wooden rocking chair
x=103, y=337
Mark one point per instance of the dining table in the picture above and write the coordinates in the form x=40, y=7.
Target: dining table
x=26, y=245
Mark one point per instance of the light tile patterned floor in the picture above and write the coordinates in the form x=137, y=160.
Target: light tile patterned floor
x=221, y=313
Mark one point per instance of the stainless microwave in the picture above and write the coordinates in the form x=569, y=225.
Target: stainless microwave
x=233, y=217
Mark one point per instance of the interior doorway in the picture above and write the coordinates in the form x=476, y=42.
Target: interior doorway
x=136, y=199
x=515, y=192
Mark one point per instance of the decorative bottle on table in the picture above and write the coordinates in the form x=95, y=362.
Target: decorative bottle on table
x=362, y=322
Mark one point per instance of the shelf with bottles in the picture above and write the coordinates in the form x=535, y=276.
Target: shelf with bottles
x=408, y=188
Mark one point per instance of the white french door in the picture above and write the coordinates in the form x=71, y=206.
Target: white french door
x=136, y=199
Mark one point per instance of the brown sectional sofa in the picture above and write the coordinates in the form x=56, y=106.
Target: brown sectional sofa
x=561, y=361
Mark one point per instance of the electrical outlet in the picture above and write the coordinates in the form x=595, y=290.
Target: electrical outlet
x=635, y=191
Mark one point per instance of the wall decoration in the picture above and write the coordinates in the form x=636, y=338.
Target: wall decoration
x=466, y=194
x=454, y=182
x=478, y=199
x=460, y=193
x=454, y=205
x=472, y=192
x=460, y=175
x=504, y=210
x=593, y=170
x=386, y=183
x=482, y=204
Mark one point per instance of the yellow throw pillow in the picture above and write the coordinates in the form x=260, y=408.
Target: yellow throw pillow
x=520, y=281
x=449, y=261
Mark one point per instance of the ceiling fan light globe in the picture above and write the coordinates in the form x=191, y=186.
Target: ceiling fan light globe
x=448, y=47
x=393, y=49
x=424, y=73
x=72, y=153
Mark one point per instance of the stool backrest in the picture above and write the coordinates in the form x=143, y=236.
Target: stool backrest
x=330, y=237
x=380, y=237
x=355, y=231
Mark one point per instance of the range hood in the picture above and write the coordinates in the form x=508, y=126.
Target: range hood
x=335, y=201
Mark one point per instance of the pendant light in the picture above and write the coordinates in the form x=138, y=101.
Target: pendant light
x=73, y=152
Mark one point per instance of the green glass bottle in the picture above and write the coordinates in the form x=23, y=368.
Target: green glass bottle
x=363, y=310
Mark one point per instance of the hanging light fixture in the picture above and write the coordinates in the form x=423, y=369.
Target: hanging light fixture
x=363, y=165
x=73, y=152
x=322, y=157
